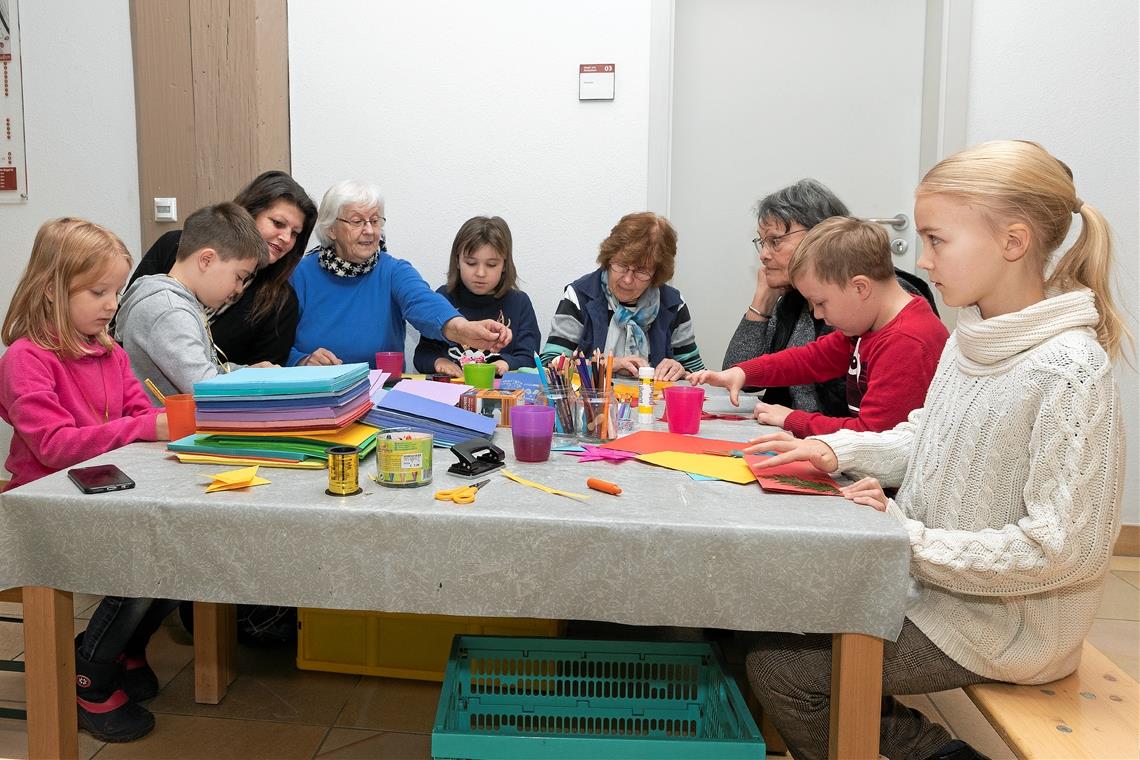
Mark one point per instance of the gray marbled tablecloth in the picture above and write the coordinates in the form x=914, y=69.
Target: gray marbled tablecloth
x=668, y=551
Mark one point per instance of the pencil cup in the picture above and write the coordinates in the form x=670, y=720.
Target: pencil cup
x=593, y=417
x=532, y=427
x=391, y=362
x=479, y=375
x=564, y=417
x=683, y=408
x=180, y=411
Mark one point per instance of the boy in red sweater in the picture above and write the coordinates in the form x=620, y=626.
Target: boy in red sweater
x=886, y=340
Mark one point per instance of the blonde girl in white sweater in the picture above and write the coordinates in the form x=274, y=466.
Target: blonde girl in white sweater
x=1009, y=476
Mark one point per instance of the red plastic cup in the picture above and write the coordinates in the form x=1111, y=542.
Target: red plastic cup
x=683, y=408
x=532, y=428
x=391, y=362
x=180, y=411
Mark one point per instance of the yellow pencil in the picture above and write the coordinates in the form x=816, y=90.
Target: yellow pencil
x=154, y=390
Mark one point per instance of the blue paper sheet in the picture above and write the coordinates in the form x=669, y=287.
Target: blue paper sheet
x=262, y=381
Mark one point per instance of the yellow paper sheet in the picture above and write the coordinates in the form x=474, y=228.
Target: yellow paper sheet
x=732, y=469
x=234, y=479
x=352, y=435
x=190, y=458
x=541, y=487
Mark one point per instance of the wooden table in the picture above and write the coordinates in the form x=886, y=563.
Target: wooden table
x=670, y=551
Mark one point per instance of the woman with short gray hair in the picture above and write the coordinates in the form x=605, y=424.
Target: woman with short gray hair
x=355, y=298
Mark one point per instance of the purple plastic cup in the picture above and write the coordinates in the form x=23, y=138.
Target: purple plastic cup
x=532, y=427
x=683, y=407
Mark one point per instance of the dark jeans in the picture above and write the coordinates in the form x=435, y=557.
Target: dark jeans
x=122, y=624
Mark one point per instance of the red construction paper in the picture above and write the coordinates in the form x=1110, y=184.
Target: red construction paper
x=653, y=441
x=769, y=477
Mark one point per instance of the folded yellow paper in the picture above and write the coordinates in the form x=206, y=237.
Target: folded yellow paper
x=307, y=464
x=732, y=469
x=234, y=479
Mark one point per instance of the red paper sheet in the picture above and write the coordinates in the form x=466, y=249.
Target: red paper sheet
x=653, y=441
x=794, y=477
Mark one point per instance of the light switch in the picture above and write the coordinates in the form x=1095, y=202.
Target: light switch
x=166, y=209
x=596, y=81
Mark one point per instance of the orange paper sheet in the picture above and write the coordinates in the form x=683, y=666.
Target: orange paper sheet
x=653, y=441
x=794, y=477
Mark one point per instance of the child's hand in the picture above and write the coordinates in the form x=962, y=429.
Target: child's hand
x=629, y=365
x=788, y=448
x=265, y=364
x=161, y=427
x=731, y=378
x=322, y=357
x=868, y=492
x=447, y=367
x=501, y=367
x=669, y=369
x=771, y=414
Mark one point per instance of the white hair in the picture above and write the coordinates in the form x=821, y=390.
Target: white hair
x=347, y=192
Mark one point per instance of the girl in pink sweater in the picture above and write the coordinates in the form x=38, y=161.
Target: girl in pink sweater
x=67, y=391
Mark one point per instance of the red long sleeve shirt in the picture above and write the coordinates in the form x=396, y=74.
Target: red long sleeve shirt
x=888, y=371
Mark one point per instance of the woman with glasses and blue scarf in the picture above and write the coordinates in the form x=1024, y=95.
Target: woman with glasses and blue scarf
x=624, y=306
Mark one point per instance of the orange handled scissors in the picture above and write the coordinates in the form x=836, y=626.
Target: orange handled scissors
x=463, y=494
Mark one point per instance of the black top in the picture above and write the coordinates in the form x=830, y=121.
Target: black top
x=514, y=309
x=241, y=340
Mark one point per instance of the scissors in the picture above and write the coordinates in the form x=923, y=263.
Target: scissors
x=463, y=494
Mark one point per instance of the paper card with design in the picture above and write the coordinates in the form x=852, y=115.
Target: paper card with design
x=590, y=453
x=793, y=477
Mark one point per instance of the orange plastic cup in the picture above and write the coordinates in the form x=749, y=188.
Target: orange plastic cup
x=180, y=415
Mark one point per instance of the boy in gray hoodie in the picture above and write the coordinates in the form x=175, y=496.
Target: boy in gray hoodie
x=162, y=322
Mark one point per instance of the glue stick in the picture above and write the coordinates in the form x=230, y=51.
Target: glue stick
x=645, y=395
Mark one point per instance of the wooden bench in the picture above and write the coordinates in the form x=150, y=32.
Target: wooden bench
x=1093, y=713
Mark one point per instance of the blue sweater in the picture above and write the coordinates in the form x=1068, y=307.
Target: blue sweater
x=514, y=310
x=354, y=317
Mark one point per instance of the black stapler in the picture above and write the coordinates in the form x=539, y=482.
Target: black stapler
x=471, y=463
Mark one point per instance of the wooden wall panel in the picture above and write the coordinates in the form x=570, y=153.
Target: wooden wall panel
x=212, y=99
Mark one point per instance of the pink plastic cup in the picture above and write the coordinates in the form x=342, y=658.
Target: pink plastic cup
x=683, y=408
x=391, y=362
x=532, y=428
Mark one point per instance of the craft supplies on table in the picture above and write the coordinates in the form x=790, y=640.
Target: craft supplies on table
x=537, y=698
x=448, y=424
x=477, y=456
x=344, y=472
x=544, y=488
x=403, y=459
x=396, y=645
x=496, y=404
x=604, y=486
x=461, y=494
x=532, y=432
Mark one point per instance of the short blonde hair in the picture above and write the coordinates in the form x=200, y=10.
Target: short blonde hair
x=66, y=255
x=1018, y=180
x=842, y=247
x=643, y=240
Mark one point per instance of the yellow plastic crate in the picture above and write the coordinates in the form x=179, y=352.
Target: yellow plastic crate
x=393, y=644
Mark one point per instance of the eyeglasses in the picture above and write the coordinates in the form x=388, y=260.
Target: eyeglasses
x=640, y=275
x=357, y=224
x=772, y=242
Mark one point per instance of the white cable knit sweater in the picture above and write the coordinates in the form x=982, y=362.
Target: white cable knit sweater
x=1010, y=488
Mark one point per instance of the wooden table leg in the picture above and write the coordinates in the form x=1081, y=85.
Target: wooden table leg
x=49, y=673
x=856, y=696
x=215, y=645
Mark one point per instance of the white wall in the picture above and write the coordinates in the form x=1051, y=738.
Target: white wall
x=1065, y=73
x=457, y=109
x=79, y=119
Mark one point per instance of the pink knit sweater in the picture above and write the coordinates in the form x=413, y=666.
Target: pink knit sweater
x=57, y=407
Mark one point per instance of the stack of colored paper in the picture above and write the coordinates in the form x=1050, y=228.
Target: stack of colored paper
x=448, y=424
x=279, y=416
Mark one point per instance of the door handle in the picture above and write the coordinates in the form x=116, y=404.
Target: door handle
x=898, y=221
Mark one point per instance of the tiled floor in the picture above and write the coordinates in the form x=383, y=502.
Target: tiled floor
x=274, y=710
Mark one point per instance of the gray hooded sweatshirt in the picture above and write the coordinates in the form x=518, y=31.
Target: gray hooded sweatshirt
x=164, y=331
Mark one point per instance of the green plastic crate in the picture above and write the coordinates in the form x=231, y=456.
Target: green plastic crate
x=506, y=697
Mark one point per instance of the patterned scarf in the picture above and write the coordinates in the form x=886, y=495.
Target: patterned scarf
x=330, y=262
x=626, y=334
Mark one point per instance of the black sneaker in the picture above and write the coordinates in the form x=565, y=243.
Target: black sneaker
x=137, y=678
x=115, y=719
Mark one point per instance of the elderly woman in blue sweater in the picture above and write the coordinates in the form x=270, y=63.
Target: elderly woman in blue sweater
x=355, y=297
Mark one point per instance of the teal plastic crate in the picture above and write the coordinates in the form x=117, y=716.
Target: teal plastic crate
x=506, y=697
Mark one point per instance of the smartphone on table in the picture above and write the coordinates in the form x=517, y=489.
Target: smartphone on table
x=100, y=479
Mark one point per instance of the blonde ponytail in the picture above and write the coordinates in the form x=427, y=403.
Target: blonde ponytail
x=1088, y=264
x=1018, y=179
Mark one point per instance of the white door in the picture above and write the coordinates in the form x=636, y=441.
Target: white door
x=766, y=92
